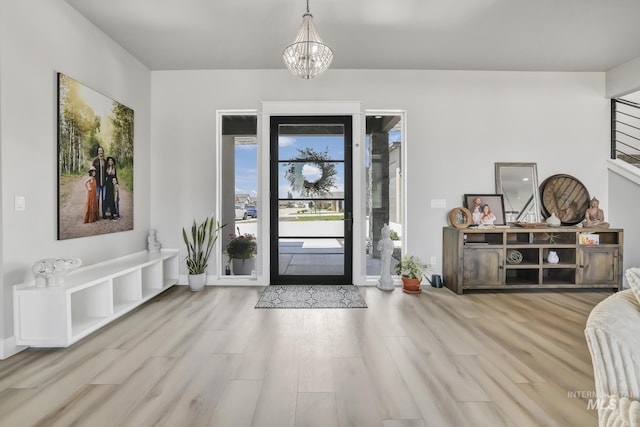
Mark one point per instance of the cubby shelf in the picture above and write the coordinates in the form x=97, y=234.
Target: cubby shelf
x=483, y=258
x=90, y=298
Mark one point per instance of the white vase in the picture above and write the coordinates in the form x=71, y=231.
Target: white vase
x=553, y=258
x=554, y=220
x=197, y=281
x=243, y=267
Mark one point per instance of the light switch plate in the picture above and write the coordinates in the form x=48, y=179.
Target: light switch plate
x=438, y=203
x=19, y=203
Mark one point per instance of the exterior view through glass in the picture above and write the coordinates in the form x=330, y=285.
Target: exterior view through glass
x=311, y=205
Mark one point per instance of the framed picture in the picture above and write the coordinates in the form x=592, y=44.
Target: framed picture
x=95, y=162
x=486, y=209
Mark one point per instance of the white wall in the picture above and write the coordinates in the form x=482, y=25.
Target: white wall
x=623, y=79
x=458, y=124
x=624, y=205
x=37, y=39
x=624, y=180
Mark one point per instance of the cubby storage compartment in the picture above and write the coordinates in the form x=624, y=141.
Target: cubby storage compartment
x=126, y=291
x=606, y=237
x=554, y=237
x=90, y=298
x=522, y=276
x=90, y=307
x=522, y=256
x=559, y=276
x=482, y=239
x=510, y=258
x=170, y=271
x=519, y=238
x=152, y=280
x=566, y=256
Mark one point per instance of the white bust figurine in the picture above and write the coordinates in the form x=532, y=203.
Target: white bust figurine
x=385, y=246
x=152, y=244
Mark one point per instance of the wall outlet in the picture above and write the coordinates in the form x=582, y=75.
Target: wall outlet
x=433, y=260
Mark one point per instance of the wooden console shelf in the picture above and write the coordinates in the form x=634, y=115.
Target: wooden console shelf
x=90, y=298
x=516, y=258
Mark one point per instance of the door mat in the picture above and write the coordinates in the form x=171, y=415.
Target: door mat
x=311, y=296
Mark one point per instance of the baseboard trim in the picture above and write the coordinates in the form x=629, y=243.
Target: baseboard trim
x=9, y=348
x=259, y=281
x=226, y=281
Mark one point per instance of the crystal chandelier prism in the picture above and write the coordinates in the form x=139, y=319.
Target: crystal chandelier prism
x=307, y=57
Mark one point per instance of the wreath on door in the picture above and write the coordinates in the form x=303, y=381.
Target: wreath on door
x=311, y=174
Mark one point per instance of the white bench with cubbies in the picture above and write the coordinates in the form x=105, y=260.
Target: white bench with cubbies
x=90, y=298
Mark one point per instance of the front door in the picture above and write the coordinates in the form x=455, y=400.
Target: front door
x=311, y=201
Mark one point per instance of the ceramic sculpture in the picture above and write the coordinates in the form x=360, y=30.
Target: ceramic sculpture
x=52, y=271
x=385, y=246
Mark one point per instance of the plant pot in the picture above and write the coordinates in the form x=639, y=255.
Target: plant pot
x=243, y=267
x=411, y=286
x=197, y=281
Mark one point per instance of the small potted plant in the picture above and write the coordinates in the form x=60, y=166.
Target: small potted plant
x=241, y=250
x=411, y=269
x=199, y=246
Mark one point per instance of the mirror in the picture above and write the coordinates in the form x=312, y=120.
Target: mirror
x=518, y=182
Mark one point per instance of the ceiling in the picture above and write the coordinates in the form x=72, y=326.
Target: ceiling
x=512, y=35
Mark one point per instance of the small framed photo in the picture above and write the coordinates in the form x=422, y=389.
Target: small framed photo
x=486, y=209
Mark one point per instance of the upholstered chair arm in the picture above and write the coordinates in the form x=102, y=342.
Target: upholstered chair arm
x=613, y=337
x=619, y=412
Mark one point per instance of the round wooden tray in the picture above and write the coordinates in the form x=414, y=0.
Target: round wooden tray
x=565, y=196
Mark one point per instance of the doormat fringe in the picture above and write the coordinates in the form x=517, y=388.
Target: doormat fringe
x=311, y=296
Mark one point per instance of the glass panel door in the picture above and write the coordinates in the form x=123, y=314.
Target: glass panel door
x=384, y=188
x=238, y=193
x=311, y=204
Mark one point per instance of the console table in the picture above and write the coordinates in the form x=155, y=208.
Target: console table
x=90, y=298
x=483, y=258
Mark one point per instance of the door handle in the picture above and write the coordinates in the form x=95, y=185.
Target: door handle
x=348, y=219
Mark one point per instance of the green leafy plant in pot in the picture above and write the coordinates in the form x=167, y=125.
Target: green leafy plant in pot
x=199, y=246
x=241, y=250
x=411, y=269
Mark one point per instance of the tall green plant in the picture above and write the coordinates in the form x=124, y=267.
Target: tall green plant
x=199, y=246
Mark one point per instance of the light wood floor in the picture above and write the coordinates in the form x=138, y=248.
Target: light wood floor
x=210, y=358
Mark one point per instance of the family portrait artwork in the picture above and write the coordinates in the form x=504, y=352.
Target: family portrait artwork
x=95, y=162
x=486, y=209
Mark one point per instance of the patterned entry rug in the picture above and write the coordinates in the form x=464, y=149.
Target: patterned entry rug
x=311, y=296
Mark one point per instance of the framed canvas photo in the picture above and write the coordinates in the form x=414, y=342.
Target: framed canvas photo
x=95, y=162
x=486, y=209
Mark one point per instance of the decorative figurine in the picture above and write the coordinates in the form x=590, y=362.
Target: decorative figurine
x=594, y=217
x=153, y=246
x=385, y=246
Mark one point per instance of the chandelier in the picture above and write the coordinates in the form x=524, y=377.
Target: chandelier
x=307, y=57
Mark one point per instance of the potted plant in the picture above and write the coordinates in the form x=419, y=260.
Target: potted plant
x=411, y=269
x=199, y=246
x=241, y=250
